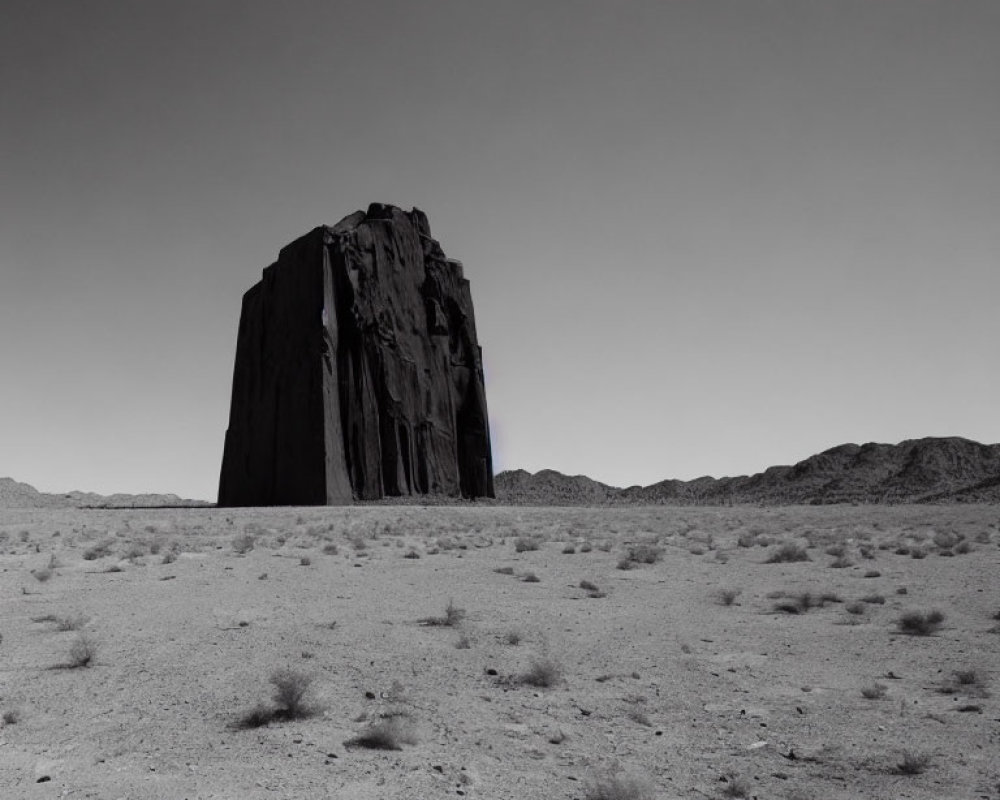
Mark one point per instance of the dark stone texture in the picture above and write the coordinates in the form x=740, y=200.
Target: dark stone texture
x=358, y=373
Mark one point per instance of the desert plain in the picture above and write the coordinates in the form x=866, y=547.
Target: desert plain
x=481, y=651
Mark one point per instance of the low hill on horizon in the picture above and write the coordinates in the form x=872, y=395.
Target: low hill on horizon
x=14, y=494
x=945, y=469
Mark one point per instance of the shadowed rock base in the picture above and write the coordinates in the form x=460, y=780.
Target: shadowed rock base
x=358, y=373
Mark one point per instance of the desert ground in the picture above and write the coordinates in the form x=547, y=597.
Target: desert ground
x=489, y=652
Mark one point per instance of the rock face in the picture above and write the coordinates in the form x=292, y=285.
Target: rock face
x=358, y=372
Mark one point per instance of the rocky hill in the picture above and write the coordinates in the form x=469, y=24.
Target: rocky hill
x=22, y=495
x=918, y=470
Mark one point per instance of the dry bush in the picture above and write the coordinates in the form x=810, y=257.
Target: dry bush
x=918, y=552
x=523, y=544
x=543, y=673
x=919, y=623
x=243, y=543
x=412, y=554
x=11, y=716
x=874, y=599
x=841, y=563
x=100, y=550
x=912, y=763
x=389, y=733
x=625, y=563
x=569, y=550
x=453, y=616
x=82, y=653
x=619, y=787
x=330, y=549
x=504, y=570
x=856, y=608
x=971, y=682
x=727, y=597
x=644, y=553
x=789, y=552
x=876, y=691
x=43, y=574
x=530, y=577
x=512, y=638
x=290, y=701
x=736, y=788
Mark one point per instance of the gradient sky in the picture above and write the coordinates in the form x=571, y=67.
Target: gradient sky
x=703, y=237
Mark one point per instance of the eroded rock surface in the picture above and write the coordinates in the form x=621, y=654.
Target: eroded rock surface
x=358, y=373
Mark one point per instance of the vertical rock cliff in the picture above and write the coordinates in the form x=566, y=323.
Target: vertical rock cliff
x=358, y=373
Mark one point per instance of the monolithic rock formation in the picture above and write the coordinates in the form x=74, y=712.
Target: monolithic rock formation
x=358, y=372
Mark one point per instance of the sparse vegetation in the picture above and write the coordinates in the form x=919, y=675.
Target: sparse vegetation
x=919, y=623
x=389, y=733
x=912, y=763
x=727, y=597
x=543, y=673
x=619, y=787
x=644, y=553
x=82, y=653
x=100, y=550
x=290, y=698
x=530, y=577
x=11, y=716
x=875, y=691
x=525, y=544
x=736, y=788
x=453, y=616
x=504, y=570
x=243, y=543
x=788, y=553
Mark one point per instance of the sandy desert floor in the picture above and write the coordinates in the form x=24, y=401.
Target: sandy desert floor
x=135, y=644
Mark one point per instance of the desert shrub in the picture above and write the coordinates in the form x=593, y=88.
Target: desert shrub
x=389, y=733
x=918, y=623
x=81, y=653
x=542, y=673
x=586, y=547
x=788, y=553
x=453, y=616
x=291, y=690
x=619, y=787
x=874, y=599
x=243, y=543
x=530, y=577
x=569, y=550
x=305, y=561
x=727, y=597
x=42, y=575
x=963, y=547
x=873, y=573
x=875, y=691
x=589, y=586
x=855, y=608
x=836, y=550
x=736, y=788
x=73, y=622
x=412, y=554
x=605, y=546
x=912, y=763
x=867, y=551
x=918, y=552
x=99, y=550
x=902, y=550
x=524, y=544
x=625, y=563
x=169, y=557
x=945, y=540
x=966, y=681
x=645, y=553
x=11, y=716
x=746, y=539
x=902, y=590
x=330, y=549
x=504, y=570
x=463, y=642
x=512, y=638
x=639, y=716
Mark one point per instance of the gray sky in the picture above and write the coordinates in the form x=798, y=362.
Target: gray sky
x=703, y=237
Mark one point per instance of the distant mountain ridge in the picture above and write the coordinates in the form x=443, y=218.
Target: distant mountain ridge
x=22, y=495
x=948, y=469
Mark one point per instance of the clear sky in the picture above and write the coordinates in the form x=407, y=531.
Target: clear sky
x=703, y=237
